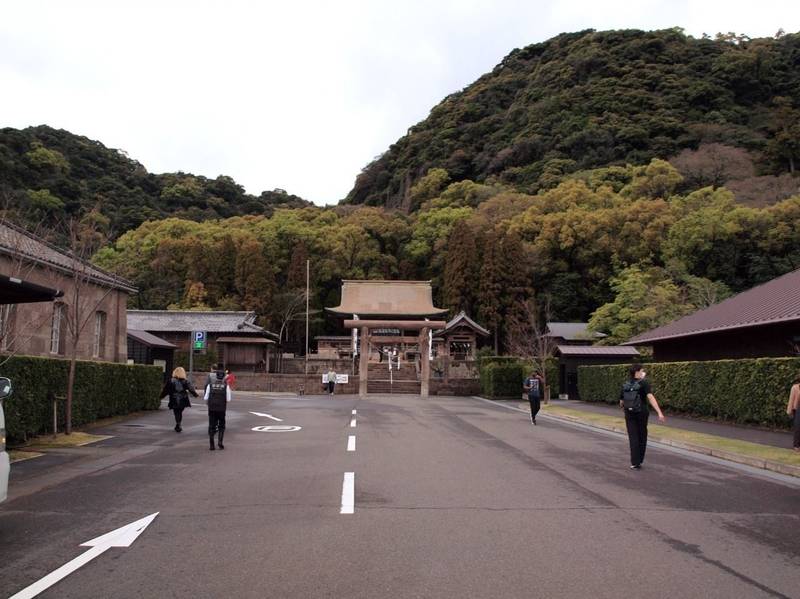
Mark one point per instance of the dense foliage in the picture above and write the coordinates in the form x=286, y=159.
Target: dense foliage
x=588, y=99
x=502, y=378
x=623, y=177
x=619, y=244
x=102, y=389
x=741, y=391
x=51, y=175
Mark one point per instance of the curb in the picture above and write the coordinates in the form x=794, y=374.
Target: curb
x=730, y=456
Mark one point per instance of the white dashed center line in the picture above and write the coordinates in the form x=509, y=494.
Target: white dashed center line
x=348, y=493
x=351, y=443
x=353, y=423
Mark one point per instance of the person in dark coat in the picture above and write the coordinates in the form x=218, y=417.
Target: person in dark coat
x=635, y=398
x=217, y=396
x=178, y=389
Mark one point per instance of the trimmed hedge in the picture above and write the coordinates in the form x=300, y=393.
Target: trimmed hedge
x=753, y=391
x=102, y=389
x=501, y=377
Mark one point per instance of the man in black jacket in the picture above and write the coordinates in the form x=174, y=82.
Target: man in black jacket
x=217, y=396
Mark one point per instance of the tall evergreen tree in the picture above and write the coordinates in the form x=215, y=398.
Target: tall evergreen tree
x=296, y=275
x=490, y=288
x=461, y=270
x=254, y=278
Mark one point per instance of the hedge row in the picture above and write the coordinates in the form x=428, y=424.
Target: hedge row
x=102, y=389
x=501, y=377
x=751, y=391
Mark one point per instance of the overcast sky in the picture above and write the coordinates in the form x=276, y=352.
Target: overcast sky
x=295, y=95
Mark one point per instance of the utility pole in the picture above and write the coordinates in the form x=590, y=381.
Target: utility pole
x=308, y=293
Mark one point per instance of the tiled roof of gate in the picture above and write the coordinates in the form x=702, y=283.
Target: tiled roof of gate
x=463, y=319
x=773, y=302
x=387, y=298
x=17, y=242
x=188, y=321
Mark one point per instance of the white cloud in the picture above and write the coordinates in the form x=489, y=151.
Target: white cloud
x=293, y=95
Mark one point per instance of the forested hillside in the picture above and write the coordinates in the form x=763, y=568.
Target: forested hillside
x=619, y=243
x=48, y=176
x=590, y=99
x=626, y=178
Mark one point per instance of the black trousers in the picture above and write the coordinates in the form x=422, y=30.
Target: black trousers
x=178, y=414
x=636, y=423
x=796, y=428
x=536, y=403
x=331, y=386
x=216, y=421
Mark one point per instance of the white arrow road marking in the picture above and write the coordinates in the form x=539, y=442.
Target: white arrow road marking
x=348, y=493
x=351, y=443
x=121, y=537
x=266, y=416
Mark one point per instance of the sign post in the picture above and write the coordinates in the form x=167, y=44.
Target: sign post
x=197, y=343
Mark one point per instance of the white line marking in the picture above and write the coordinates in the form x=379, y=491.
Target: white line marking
x=353, y=423
x=266, y=416
x=351, y=443
x=121, y=537
x=348, y=493
x=353, y=412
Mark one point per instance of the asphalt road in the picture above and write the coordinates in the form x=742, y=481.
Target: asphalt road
x=454, y=497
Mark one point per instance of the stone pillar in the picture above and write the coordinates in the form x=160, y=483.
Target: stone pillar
x=425, y=366
x=363, y=364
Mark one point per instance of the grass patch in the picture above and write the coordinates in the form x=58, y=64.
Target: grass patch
x=17, y=455
x=713, y=442
x=76, y=439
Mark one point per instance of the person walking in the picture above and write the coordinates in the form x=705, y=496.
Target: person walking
x=534, y=386
x=230, y=378
x=178, y=389
x=217, y=396
x=635, y=398
x=793, y=409
x=331, y=381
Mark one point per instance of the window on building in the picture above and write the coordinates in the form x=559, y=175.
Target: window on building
x=7, y=313
x=56, y=342
x=99, y=334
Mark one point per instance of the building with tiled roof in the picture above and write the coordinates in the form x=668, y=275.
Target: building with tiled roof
x=67, y=289
x=570, y=357
x=232, y=336
x=572, y=333
x=761, y=322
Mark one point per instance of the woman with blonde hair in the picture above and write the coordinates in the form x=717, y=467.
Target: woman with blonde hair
x=178, y=389
x=793, y=409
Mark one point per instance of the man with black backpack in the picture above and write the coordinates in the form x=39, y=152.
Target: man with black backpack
x=634, y=399
x=217, y=396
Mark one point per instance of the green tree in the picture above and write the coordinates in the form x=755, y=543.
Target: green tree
x=254, y=278
x=461, y=270
x=644, y=298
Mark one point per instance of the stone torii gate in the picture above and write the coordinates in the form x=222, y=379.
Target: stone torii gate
x=425, y=327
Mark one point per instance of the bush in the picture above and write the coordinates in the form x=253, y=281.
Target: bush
x=550, y=374
x=753, y=391
x=501, y=378
x=102, y=389
x=200, y=362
